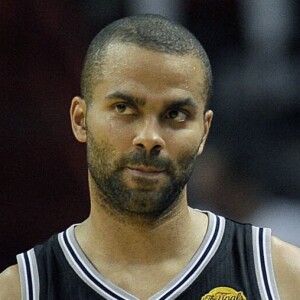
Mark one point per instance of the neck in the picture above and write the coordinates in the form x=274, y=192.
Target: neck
x=111, y=236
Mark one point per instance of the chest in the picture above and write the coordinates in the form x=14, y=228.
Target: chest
x=145, y=280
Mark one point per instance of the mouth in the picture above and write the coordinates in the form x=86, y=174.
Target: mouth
x=146, y=171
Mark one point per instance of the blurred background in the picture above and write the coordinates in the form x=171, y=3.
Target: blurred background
x=250, y=169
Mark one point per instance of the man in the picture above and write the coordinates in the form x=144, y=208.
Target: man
x=146, y=83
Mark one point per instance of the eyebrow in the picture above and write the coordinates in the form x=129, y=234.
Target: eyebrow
x=141, y=101
x=182, y=102
x=129, y=98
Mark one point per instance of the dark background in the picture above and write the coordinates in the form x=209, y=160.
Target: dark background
x=252, y=158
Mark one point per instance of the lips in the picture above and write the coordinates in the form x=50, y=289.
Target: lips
x=145, y=171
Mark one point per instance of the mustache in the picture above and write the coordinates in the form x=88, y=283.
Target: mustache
x=146, y=159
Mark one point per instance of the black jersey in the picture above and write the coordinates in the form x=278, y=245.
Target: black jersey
x=232, y=263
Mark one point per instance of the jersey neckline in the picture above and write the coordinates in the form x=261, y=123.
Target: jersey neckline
x=93, y=278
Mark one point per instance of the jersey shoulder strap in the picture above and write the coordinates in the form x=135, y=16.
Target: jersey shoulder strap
x=261, y=239
x=29, y=275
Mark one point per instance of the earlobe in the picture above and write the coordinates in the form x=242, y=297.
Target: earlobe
x=78, y=121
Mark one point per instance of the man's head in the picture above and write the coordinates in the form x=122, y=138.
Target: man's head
x=152, y=32
x=146, y=119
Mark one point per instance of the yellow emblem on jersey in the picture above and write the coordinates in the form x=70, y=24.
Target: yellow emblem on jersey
x=224, y=293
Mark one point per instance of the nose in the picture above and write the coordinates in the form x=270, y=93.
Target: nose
x=148, y=137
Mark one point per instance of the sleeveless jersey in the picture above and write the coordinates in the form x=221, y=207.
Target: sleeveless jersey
x=232, y=263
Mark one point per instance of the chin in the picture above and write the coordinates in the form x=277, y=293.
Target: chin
x=149, y=205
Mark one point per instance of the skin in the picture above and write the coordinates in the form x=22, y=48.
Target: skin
x=127, y=241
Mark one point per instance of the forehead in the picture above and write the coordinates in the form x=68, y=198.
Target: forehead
x=127, y=66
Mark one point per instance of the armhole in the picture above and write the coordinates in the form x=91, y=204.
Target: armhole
x=29, y=277
x=263, y=263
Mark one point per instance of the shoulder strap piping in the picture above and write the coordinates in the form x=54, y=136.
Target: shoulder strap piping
x=263, y=263
x=29, y=277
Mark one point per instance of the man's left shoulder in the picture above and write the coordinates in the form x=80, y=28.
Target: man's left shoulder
x=286, y=262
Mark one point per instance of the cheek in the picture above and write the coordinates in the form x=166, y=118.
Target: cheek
x=185, y=142
x=120, y=135
x=109, y=131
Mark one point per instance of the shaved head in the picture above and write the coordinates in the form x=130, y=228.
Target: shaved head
x=152, y=32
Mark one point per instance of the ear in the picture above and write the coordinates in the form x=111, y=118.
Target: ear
x=78, y=118
x=207, y=123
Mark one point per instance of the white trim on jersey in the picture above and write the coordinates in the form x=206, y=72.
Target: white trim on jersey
x=87, y=272
x=263, y=263
x=29, y=277
x=201, y=258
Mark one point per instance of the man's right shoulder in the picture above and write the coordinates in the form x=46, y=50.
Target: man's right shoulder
x=10, y=287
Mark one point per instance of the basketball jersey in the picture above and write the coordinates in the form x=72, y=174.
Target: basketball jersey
x=232, y=263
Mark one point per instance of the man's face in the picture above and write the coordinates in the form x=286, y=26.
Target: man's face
x=145, y=127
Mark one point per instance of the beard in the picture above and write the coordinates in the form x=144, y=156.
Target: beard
x=148, y=199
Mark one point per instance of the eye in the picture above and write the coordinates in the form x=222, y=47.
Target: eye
x=124, y=109
x=176, y=115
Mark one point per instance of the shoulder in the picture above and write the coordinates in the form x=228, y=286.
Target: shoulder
x=286, y=263
x=10, y=287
